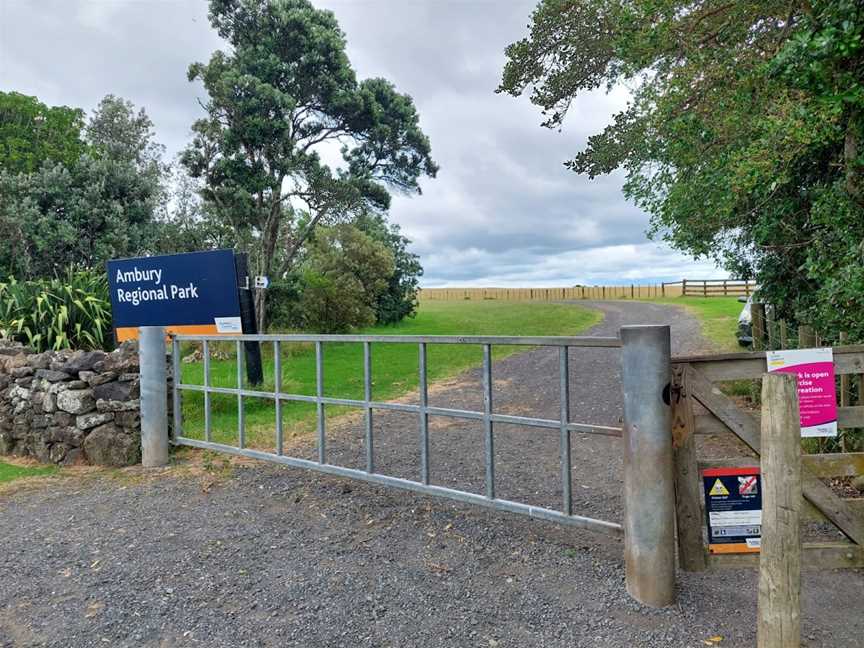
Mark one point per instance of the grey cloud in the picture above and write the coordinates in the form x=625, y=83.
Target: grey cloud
x=503, y=209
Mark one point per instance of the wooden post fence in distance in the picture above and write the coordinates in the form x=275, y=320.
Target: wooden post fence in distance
x=779, y=607
x=683, y=287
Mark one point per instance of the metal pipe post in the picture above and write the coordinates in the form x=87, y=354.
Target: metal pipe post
x=649, y=495
x=154, y=396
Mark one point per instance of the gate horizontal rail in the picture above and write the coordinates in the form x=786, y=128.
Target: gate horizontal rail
x=422, y=409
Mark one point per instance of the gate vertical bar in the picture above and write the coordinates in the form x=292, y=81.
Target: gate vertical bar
x=367, y=396
x=424, y=416
x=241, y=416
x=319, y=406
x=154, y=397
x=566, y=468
x=649, y=495
x=487, y=421
x=175, y=381
x=277, y=388
x=208, y=423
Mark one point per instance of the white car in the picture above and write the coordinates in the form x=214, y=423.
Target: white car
x=745, y=323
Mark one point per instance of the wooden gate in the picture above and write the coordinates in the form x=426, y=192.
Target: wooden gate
x=701, y=407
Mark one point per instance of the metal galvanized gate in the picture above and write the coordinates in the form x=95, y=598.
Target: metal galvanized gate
x=649, y=541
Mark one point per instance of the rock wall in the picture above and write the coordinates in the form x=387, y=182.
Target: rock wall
x=70, y=407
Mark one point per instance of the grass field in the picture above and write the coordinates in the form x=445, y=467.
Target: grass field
x=394, y=366
x=717, y=315
x=8, y=471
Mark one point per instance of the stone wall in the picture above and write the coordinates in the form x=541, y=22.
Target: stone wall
x=70, y=407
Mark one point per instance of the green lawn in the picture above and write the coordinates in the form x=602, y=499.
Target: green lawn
x=394, y=366
x=717, y=315
x=8, y=472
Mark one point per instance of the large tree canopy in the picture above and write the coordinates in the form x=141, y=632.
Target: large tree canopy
x=743, y=138
x=280, y=98
x=88, y=209
x=32, y=133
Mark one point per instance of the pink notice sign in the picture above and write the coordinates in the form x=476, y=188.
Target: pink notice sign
x=817, y=398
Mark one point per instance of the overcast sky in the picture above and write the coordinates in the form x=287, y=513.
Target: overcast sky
x=503, y=210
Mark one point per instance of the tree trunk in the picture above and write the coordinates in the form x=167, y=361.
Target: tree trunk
x=261, y=310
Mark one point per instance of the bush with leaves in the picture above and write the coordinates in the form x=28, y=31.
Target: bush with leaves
x=344, y=274
x=69, y=311
x=94, y=202
x=399, y=299
x=32, y=133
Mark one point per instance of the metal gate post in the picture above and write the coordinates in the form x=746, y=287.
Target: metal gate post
x=154, y=396
x=649, y=495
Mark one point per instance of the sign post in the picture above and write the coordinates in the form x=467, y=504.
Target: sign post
x=252, y=350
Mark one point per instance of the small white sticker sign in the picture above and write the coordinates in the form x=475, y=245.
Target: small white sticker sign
x=228, y=325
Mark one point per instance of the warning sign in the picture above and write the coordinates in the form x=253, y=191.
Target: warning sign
x=718, y=488
x=747, y=485
x=733, y=507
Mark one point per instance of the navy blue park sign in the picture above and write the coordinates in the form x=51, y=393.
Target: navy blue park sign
x=185, y=293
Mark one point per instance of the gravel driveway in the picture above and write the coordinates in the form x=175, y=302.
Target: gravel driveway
x=272, y=556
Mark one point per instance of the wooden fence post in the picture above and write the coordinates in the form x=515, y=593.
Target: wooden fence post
x=779, y=616
x=845, y=388
x=806, y=337
x=784, y=335
x=683, y=287
x=662, y=289
x=757, y=325
x=688, y=505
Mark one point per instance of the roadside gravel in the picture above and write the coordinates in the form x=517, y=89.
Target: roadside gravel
x=271, y=556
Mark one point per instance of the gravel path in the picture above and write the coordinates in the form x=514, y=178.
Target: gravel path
x=272, y=556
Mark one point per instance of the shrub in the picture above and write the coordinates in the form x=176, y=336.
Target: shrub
x=399, y=299
x=344, y=273
x=68, y=311
x=333, y=304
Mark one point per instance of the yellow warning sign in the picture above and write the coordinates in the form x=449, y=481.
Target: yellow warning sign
x=718, y=488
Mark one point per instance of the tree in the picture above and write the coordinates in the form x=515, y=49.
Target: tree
x=742, y=137
x=117, y=132
x=281, y=96
x=97, y=210
x=99, y=206
x=186, y=223
x=399, y=300
x=343, y=277
x=32, y=133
